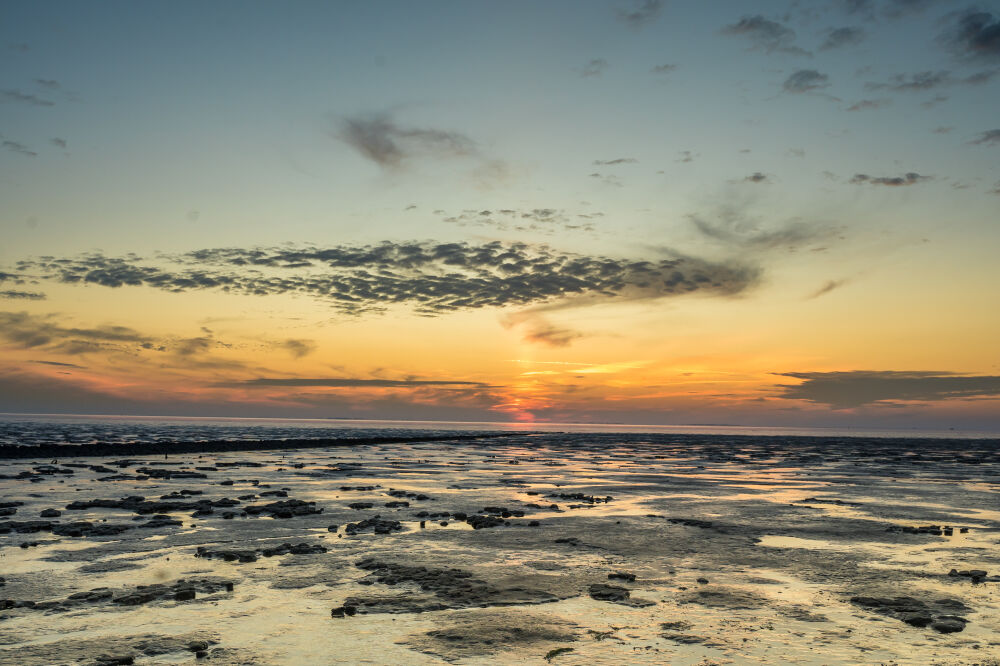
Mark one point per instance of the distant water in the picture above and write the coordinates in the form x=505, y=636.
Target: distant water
x=34, y=429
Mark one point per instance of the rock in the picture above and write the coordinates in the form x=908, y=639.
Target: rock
x=703, y=581
x=360, y=505
x=50, y=513
x=948, y=625
x=197, y=646
x=376, y=524
x=342, y=611
x=185, y=594
x=622, y=575
x=603, y=592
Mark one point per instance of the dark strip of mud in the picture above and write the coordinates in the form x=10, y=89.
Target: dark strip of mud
x=215, y=446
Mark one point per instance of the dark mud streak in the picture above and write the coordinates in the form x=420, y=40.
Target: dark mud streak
x=163, y=448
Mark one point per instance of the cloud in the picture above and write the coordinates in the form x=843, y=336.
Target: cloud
x=845, y=390
x=58, y=143
x=18, y=97
x=51, y=84
x=891, y=181
x=827, y=288
x=757, y=177
x=59, y=364
x=867, y=104
x=378, y=138
x=733, y=229
x=22, y=295
x=595, y=67
x=298, y=348
x=539, y=330
x=431, y=278
x=975, y=35
x=805, y=80
x=924, y=81
x=988, y=138
x=686, y=156
x=839, y=37
x=640, y=12
x=662, y=69
x=28, y=331
x=20, y=148
x=535, y=220
x=766, y=35
x=346, y=382
x=620, y=160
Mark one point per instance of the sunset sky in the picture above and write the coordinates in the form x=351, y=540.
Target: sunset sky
x=676, y=212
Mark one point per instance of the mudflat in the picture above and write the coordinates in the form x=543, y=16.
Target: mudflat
x=566, y=549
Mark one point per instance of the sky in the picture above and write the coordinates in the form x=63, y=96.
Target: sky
x=781, y=213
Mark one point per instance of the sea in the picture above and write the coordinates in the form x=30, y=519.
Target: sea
x=36, y=429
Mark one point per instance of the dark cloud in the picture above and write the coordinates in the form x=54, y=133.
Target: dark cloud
x=686, y=156
x=595, y=67
x=346, y=382
x=769, y=36
x=640, y=12
x=536, y=220
x=298, y=348
x=827, y=288
x=975, y=34
x=58, y=143
x=28, y=331
x=22, y=295
x=845, y=390
x=59, y=364
x=839, y=37
x=663, y=69
x=432, y=278
x=988, y=138
x=19, y=97
x=16, y=147
x=378, y=138
x=867, y=104
x=891, y=181
x=757, y=177
x=924, y=81
x=51, y=84
x=805, y=80
x=193, y=346
x=620, y=160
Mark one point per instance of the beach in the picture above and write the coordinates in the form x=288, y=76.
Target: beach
x=528, y=548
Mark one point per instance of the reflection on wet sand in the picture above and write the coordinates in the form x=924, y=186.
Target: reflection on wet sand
x=627, y=549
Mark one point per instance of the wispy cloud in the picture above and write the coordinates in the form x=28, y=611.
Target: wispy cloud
x=766, y=35
x=595, y=67
x=975, y=35
x=17, y=147
x=840, y=37
x=930, y=80
x=663, y=69
x=638, y=13
x=378, y=138
x=19, y=97
x=805, y=80
x=618, y=160
x=869, y=104
x=13, y=294
x=890, y=181
x=297, y=347
x=347, y=382
x=987, y=138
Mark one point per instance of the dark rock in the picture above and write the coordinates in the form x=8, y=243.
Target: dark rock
x=376, y=524
x=604, y=592
x=50, y=513
x=622, y=575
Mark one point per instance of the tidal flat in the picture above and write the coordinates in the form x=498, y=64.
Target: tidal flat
x=530, y=548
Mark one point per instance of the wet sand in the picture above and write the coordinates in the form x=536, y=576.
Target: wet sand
x=581, y=549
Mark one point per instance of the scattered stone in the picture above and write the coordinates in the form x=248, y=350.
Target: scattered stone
x=937, y=613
